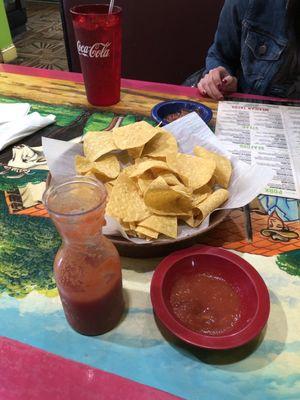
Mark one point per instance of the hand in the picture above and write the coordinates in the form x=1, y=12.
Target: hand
x=217, y=82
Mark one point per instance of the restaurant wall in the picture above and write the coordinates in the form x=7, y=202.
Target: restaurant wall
x=5, y=36
x=7, y=48
x=163, y=40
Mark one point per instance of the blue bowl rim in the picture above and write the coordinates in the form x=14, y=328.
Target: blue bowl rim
x=207, y=110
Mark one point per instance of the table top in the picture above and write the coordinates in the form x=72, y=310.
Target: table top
x=138, y=349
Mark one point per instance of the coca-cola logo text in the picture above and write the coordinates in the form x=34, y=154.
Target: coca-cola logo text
x=97, y=50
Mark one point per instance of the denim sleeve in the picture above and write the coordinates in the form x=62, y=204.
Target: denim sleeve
x=226, y=48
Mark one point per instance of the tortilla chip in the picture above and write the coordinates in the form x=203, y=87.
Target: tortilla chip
x=97, y=144
x=91, y=175
x=223, y=170
x=132, y=225
x=108, y=166
x=201, y=194
x=108, y=187
x=125, y=225
x=189, y=220
x=131, y=233
x=180, y=188
x=129, y=169
x=162, y=144
x=146, y=165
x=194, y=171
x=215, y=200
x=82, y=165
x=147, y=233
x=168, y=176
x=163, y=200
x=136, y=152
x=144, y=181
x=125, y=202
x=161, y=224
x=133, y=135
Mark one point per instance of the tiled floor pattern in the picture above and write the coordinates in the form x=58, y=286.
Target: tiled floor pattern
x=42, y=45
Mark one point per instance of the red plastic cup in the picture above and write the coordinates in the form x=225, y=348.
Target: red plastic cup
x=98, y=37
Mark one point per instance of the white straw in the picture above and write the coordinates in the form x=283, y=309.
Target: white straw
x=111, y=6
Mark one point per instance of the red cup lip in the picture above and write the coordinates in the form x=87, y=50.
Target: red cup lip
x=229, y=341
x=76, y=9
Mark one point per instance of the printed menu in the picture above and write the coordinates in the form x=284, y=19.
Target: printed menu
x=268, y=135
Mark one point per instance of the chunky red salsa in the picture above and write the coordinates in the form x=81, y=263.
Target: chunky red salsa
x=205, y=303
x=172, y=117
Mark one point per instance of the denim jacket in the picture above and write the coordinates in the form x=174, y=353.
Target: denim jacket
x=250, y=42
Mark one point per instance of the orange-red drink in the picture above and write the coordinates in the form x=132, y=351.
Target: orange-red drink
x=87, y=266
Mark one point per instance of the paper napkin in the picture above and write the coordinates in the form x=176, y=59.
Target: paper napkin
x=10, y=112
x=16, y=123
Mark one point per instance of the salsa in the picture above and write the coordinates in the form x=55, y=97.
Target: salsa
x=90, y=289
x=205, y=303
x=93, y=316
x=87, y=266
x=181, y=113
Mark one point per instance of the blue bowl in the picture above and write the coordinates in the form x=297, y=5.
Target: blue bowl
x=161, y=110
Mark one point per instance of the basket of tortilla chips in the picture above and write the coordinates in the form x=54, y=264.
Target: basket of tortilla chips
x=166, y=187
x=153, y=188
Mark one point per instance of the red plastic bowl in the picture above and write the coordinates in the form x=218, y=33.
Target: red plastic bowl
x=248, y=284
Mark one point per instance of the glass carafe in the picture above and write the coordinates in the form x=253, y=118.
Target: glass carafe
x=87, y=266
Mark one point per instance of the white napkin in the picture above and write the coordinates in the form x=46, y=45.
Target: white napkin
x=10, y=112
x=17, y=123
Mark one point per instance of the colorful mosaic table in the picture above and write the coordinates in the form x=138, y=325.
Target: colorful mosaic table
x=266, y=233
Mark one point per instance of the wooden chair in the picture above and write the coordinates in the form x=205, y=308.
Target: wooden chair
x=163, y=40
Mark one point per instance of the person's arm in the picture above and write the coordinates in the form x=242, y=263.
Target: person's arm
x=226, y=48
x=223, y=57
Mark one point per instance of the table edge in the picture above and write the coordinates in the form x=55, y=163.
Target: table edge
x=158, y=87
